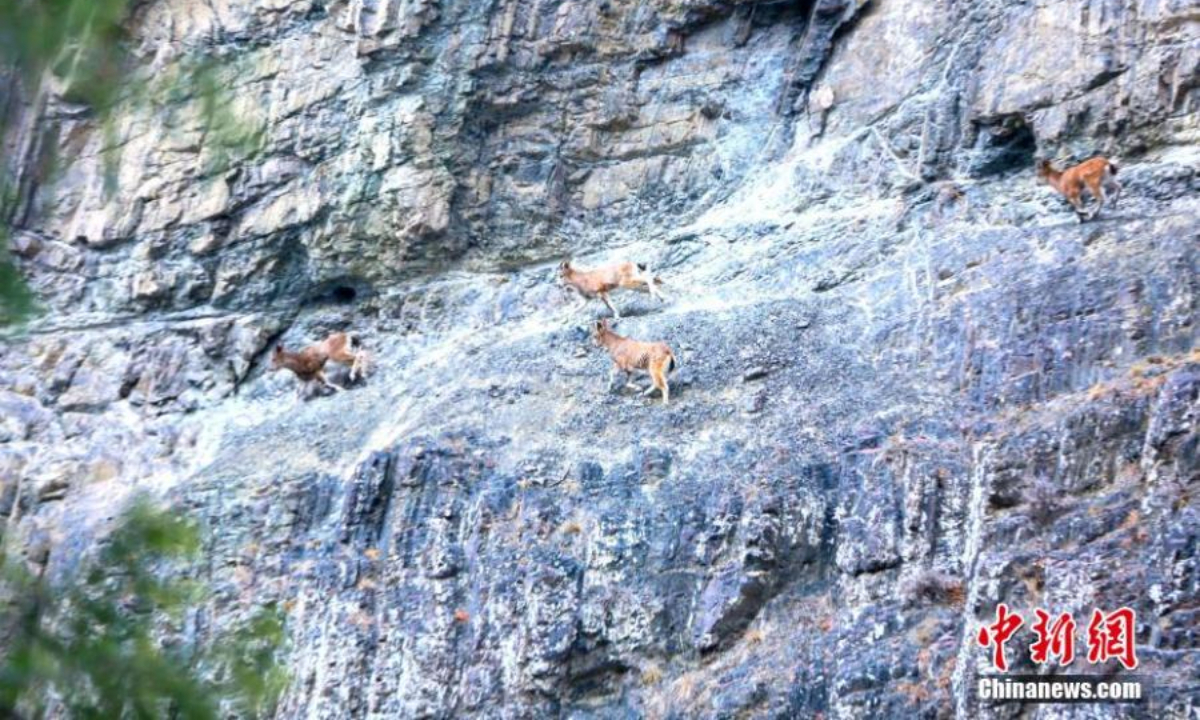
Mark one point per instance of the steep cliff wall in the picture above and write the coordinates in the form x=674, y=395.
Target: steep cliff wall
x=911, y=384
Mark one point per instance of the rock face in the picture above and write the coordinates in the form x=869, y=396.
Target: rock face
x=911, y=385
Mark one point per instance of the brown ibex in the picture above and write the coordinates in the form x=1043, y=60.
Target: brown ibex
x=653, y=358
x=1097, y=175
x=309, y=363
x=599, y=282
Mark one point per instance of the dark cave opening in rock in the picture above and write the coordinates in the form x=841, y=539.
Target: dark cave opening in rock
x=346, y=291
x=343, y=294
x=1004, y=146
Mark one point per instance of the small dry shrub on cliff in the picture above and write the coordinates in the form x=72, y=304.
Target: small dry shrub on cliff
x=684, y=687
x=932, y=587
x=1177, y=493
x=1042, y=501
x=652, y=675
x=915, y=692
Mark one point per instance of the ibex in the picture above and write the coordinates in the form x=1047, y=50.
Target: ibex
x=601, y=281
x=341, y=349
x=654, y=358
x=1097, y=175
x=309, y=363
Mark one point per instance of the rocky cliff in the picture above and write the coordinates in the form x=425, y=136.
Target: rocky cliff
x=912, y=385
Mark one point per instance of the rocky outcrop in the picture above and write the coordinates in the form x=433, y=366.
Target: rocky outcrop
x=911, y=386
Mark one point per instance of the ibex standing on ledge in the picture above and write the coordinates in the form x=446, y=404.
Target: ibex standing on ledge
x=654, y=358
x=309, y=363
x=340, y=347
x=1096, y=175
x=601, y=281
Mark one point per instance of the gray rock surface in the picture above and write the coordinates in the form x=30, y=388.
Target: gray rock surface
x=911, y=385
